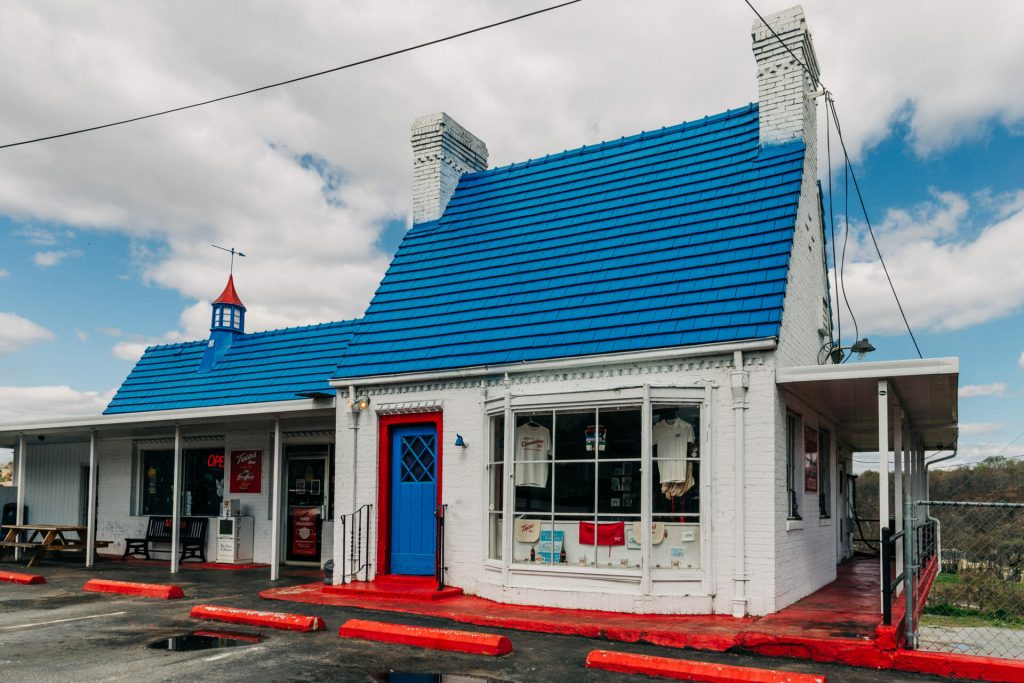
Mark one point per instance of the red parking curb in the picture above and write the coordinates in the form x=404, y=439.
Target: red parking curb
x=423, y=636
x=683, y=670
x=255, y=617
x=959, y=666
x=145, y=590
x=15, y=577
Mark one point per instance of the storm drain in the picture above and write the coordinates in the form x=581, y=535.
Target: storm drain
x=204, y=640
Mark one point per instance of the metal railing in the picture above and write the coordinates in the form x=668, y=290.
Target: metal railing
x=355, y=547
x=918, y=540
x=439, y=514
x=890, y=585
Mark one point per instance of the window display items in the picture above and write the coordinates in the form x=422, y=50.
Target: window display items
x=533, y=444
x=607, y=533
x=673, y=438
x=550, y=548
x=602, y=437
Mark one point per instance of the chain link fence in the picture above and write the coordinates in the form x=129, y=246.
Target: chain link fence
x=976, y=605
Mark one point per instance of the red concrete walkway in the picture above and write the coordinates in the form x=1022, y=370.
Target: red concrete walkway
x=836, y=624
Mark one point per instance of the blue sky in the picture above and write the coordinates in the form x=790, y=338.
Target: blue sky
x=104, y=238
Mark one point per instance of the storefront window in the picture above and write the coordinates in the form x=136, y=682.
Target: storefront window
x=577, y=483
x=579, y=498
x=202, y=482
x=675, y=495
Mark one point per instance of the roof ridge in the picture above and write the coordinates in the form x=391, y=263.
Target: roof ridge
x=251, y=335
x=616, y=142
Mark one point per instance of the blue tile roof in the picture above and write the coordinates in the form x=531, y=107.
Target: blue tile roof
x=263, y=366
x=673, y=237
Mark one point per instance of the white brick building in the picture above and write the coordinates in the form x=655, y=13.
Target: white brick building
x=602, y=367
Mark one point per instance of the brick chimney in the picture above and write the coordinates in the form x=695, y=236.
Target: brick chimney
x=785, y=92
x=442, y=151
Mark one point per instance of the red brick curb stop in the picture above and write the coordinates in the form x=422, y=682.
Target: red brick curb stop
x=423, y=636
x=255, y=617
x=146, y=590
x=15, y=577
x=684, y=670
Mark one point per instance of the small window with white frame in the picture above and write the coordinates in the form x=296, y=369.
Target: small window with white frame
x=794, y=465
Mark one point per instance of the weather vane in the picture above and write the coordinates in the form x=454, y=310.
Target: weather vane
x=233, y=252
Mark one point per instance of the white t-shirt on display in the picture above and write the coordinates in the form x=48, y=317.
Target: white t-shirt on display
x=533, y=443
x=673, y=437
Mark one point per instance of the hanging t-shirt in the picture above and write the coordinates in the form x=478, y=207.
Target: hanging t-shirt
x=533, y=443
x=673, y=438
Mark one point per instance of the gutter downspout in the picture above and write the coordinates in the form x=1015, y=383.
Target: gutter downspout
x=353, y=426
x=927, y=496
x=740, y=383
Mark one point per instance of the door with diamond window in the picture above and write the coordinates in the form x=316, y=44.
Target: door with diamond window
x=413, y=499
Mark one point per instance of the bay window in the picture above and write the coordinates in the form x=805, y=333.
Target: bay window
x=576, y=491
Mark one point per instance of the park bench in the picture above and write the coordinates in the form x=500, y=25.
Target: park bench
x=192, y=538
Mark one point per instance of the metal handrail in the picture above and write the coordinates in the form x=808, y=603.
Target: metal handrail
x=439, y=515
x=355, y=546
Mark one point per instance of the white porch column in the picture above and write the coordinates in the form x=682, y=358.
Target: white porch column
x=883, y=466
x=176, y=501
x=646, y=484
x=90, y=513
x=898, y=478
x=275, y=507
x=740, y=381
x=19, y=475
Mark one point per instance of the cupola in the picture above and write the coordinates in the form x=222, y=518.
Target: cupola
x=227, y=322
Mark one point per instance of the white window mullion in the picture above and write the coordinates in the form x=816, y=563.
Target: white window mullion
x=646, y=486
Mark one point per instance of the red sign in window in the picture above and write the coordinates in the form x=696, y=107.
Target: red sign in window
x=304, y=527
x=246, y=471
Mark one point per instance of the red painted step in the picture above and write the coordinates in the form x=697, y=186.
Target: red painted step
x=683, y=670
x=422, y=588
x=423, y=636
x=255, y=617
x=15, y=577
x=145, y=590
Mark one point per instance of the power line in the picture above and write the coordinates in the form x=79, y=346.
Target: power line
x=296, y=79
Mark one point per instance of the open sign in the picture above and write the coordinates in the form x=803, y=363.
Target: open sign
x=215, y=460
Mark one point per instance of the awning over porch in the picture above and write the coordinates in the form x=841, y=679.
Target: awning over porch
x=925, y=390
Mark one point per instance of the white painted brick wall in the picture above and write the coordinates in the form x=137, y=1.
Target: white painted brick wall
x=442, y=151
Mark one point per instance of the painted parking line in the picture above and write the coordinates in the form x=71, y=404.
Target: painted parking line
x=239, y=651
x=60, y=621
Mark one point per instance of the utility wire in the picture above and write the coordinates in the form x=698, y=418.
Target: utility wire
x=296, y=79
x=830, y=106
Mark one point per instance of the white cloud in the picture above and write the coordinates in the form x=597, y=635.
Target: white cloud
x=46, y=259
x=229, y=173
x=4, y=272
x=129, y=351
x=82, y=335
x=981, y=427
x=948, y=273
x=29, y=403
x=974, y=390
x=1020, y=361
x=17, y=333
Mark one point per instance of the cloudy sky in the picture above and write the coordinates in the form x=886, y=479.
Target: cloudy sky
x=104, y=237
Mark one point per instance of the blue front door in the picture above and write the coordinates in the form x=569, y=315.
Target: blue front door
x=413, y=499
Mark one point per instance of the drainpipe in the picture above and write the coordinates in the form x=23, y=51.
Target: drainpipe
x=740, y=383
x=275, y=506
x=925, y=494
x=353, y=425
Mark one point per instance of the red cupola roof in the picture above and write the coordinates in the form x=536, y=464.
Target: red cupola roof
x=229, y=295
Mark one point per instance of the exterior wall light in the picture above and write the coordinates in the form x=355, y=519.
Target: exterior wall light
x=459, y=441
x=358, y=404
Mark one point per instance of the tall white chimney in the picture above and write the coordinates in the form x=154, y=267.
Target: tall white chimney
x=785, y=91
x=442, y=151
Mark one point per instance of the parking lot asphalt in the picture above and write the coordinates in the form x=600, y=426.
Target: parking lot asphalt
x=58, y=632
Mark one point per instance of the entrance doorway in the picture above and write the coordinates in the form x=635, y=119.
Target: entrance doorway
x=413, y=498
x=309, y=480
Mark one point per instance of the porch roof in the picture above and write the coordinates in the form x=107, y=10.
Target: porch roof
x=925, y=389
x=305, y=413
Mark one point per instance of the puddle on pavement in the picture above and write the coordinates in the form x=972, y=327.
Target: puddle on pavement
x=408, y=677
x=204, y=640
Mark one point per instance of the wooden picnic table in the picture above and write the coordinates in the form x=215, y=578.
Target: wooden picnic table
x=38, y=539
